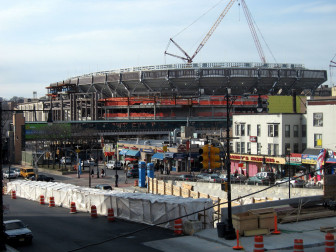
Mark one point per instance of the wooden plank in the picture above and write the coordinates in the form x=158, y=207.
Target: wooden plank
x=260, y=231
x=308, y=216
x=328, y=229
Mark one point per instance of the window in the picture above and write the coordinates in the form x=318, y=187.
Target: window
x=287, y=148
x=259, y=148
x=238, y=147
x=249, y=129
x=317, y=140
x=276, y=150
x=296, y=130
x=242, y=147
x=240, y=129
x=248, y=148
x=304, y=132
x=258, y=129
x=296, y=147
x=237, y=130
x=287, y=130
x=318, y=119
x=269, y=152
x=273, y=130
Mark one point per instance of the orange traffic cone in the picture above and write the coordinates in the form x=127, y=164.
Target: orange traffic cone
x=178, y=227
x=258, y=243
x=329, y=243
x=73, y=208
x=94, y=211
x=298, y=245
x=13, y=195
x=41, y=199
x=276, y=231
x=237, y=247
x=51, y=202
x=110, y=215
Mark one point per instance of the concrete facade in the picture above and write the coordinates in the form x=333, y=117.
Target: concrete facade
x=321, y=121
x=266, y=141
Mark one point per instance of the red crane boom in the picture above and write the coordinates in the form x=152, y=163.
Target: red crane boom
x=253, y=32
x=205, y=39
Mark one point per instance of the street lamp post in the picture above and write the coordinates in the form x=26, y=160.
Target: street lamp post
x=230, y=233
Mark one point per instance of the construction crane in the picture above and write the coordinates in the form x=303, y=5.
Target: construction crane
x=205, y=39
x=253, y=32
x=213, y=28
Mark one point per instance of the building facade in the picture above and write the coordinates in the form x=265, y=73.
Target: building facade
x=266, y=142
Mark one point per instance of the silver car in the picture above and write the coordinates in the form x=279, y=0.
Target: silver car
x=294, y=182
x=16, y=232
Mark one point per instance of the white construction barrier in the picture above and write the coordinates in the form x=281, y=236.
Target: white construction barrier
x=138, y=207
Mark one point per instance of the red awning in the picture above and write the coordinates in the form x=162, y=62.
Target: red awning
x=131, y=159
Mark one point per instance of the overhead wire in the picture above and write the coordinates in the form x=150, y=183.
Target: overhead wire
x=186, y=215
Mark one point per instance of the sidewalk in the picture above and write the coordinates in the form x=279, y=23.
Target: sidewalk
x=308, y=231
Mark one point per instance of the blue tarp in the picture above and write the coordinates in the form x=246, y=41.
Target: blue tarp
x=123, y=151
x=158, y=156
x=133, y=153
x=169, y=154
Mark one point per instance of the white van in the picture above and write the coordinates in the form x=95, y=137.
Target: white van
x=112, y=164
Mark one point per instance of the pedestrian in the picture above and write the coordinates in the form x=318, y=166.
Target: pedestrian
x=125, y=170
x=116, y=180
x=102, y=173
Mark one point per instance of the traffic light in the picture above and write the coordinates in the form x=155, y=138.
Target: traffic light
x=204, y=157
x=215, y=160
x=209, y=157
x=225, y=186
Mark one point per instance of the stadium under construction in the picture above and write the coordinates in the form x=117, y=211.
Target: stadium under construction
x=158, y=99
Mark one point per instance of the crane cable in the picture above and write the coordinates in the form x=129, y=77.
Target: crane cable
x=192, y=23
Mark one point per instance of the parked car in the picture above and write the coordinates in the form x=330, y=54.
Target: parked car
x=112, y=164
x=257, y=181
x=16, y=232
x=27, y=172
x=16, y=171
x=240, y=178
x=214, y=178
x=66, y=160
x=88, y=162
x=186, y=177
x=201, y=176
x=103, y=187
x=41, y=177
x=294, y=182
x=9, y=174
x=270, y=175
x=134, y=173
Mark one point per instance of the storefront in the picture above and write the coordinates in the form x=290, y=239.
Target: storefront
x=309, y=160
x=249, y=165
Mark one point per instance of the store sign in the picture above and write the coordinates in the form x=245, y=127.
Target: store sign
x=258, y=159
x=308, y=159
x=253, y=139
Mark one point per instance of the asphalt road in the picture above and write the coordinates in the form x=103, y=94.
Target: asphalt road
x=55, y=229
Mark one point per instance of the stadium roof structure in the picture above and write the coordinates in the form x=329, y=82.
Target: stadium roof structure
x=195, y=79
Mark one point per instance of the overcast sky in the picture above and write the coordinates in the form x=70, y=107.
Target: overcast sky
x=48, y=41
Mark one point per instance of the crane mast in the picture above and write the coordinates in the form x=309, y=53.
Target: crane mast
x=213, y=28
x=253, y=32
x=205, y=39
